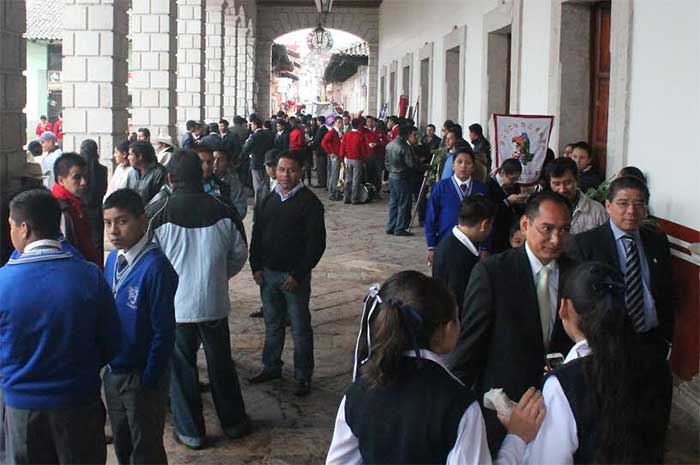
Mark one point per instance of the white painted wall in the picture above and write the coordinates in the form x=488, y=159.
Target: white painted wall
x=665, y=106
x=534, y=77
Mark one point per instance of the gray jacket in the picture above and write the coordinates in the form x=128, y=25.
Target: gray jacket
x=400, y=158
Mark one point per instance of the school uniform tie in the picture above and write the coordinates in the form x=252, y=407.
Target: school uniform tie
x=544, y=303
x=634, y=293
x=122, y=263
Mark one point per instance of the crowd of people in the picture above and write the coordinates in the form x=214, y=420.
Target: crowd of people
x=522, y=279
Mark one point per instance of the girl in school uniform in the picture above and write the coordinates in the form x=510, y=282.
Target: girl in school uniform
x=446, y=198
x=404, y=406
x=603, y=403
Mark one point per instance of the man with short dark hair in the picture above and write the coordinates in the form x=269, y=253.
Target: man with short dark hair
x=454, y=142
x=503, y=190
x=457, y=253
x=50, y=154
x=216, y=251
x=71, y=181
x=509, y=318
x=586, y=212
x=282, y=136
x=239, y=129
x=353, y=149
x=332, y=143
x=430, y=139
x=189, y=137
x=479, y=143
x=588, y=176
x=147, y=175
x=144, y=283
x=43, y=125
x=143, y=134
x=320, y=153
x=259, y=142
x=399, y=162
x=231, y=144
x=59, y=329
x=289, y=238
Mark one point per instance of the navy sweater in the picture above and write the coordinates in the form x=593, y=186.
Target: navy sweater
x=58, y=327
x=145, y=299
x=443, y=209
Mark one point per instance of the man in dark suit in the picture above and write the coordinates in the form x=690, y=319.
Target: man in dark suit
x=258, y=143
x=509, y=318
x=321, y=155
x=282, y=136
x=503, y=190
x=639, y=252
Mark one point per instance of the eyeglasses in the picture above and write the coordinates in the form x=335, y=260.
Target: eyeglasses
x=625, y=204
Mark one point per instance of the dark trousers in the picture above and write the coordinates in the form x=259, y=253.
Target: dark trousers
x=375, y=165
x=137, y=416
x=321, y=167
x=399, y=204
x=97, y=228
x=279, y=303
x=72, y=435
x=185, y=398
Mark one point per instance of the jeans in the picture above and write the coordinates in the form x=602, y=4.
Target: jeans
x=63, y=435
x=399, y=204
x=333, y=175
x=353, y=180
x=137, y=415
x=278, y=304
x=321, y=168
x=185, y=398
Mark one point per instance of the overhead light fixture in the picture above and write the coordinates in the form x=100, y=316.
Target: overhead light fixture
x=319, y=40
x=324, y=6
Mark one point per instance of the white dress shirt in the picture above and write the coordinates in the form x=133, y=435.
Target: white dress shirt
x=119, y=177
x=470, y=448
x=42, y=244
x=536, y=265
x=464, y=239
x=460, y=183
x=557, y=440
x=134, y=251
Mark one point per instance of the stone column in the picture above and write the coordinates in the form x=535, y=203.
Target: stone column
x=13, y=96
x=214, y=78
x=153, y=66
x=190, y=61
x=241, y=78
x=94, y=74
x=250, y=71
x=262, y=75
x=230, y=63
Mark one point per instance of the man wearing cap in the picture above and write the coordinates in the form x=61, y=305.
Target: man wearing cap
x=164, y=148
x=48, y=158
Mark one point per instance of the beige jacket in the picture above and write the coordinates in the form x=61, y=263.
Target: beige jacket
x=588, y=214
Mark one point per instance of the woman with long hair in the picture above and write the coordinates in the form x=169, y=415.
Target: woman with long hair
x=603, y=404
x=94, y=193
x=404, y=405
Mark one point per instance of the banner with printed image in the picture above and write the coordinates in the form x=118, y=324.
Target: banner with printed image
x=523, y=137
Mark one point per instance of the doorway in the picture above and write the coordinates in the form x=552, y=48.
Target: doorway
x=452, y=83
x=498, y=70
x=424, y=92
x=392, y=94
x=600, y=82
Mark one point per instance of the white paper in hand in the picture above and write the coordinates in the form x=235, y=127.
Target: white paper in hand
x=498, y=400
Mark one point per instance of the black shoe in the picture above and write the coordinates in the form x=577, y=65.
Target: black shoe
x=347, y=202
x=264, y=377
x=203, y=387
x=238, y=431
x=303, y=389
x=403, y=233
x=258, y=314
x=389, y=233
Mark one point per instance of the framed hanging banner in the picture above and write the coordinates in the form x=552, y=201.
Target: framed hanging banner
x=523, y=137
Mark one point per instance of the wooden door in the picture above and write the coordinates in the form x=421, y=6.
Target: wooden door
x=600, y=82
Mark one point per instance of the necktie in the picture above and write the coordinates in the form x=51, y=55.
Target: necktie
x=544, y=303
x=121, y=263
x=634, y=295
x=463, y=187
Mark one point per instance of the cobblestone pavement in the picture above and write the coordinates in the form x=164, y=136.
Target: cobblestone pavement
x=289, y=430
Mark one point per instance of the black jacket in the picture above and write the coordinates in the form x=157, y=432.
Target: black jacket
x=255, y=147
x=452, y=264
x=282, y=141
x=499, y=239
x=482, y=145
x=589, y=178
x=599, y=244
x=232, y=145
x=318, y=137
x=290, y=235
x=501, y=342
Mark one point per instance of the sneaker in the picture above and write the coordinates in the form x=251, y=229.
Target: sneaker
x=264, y=377
x=194, y=443
x=303, y=389
x=238, y=431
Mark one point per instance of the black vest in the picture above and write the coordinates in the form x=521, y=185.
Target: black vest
x=576, y=389
x=414, y=421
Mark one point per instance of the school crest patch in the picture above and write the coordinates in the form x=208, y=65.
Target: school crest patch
x=132, y=295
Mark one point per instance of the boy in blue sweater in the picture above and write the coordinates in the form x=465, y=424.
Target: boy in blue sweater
x=144, y=283
x=59, y=328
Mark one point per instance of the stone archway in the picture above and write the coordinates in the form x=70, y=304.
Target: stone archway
x=274, y=21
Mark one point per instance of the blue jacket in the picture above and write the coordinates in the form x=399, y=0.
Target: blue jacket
x=443, y=209
x=58, y=328
x=145, y=300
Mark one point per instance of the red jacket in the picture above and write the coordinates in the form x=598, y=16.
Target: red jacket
x=297, y=141
x=392, y=134
x=378, y=137
x=58, y=129
x=354, y=145
x=331, y=142
x=41, y=128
